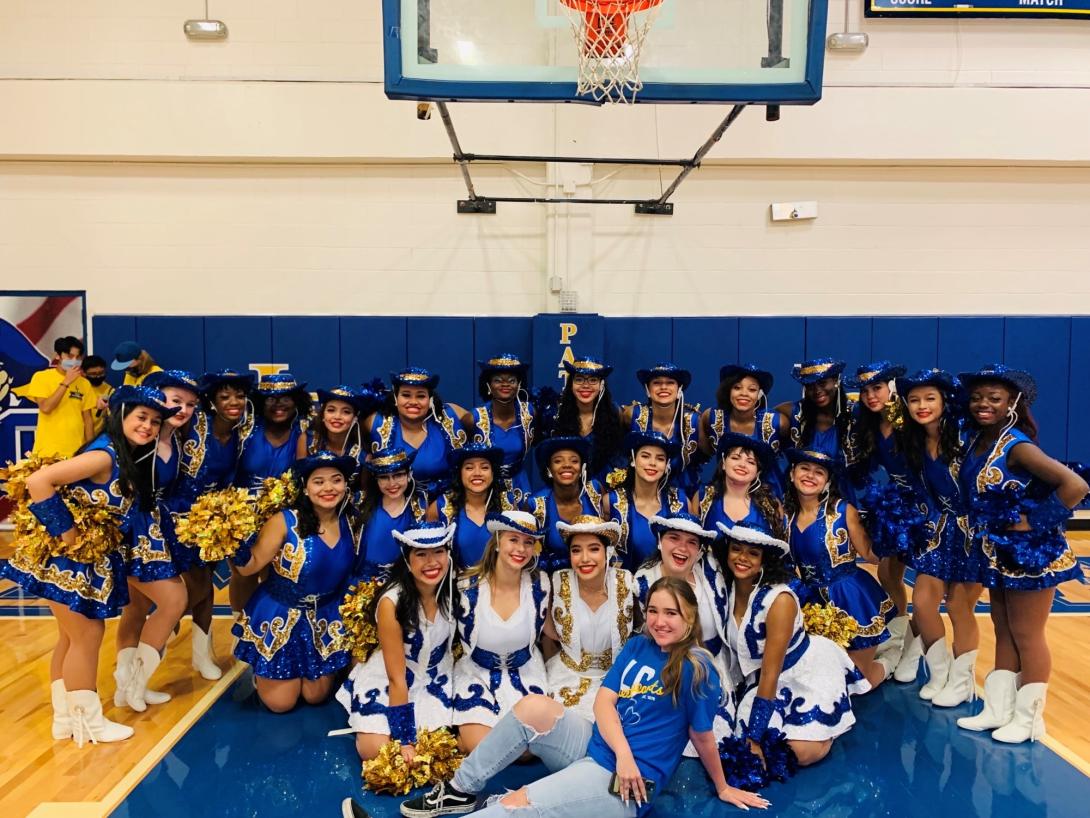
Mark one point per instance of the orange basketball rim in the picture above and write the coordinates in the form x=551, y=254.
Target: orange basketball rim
x=606, y=32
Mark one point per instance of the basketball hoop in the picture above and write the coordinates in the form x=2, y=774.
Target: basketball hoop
x=610, y=42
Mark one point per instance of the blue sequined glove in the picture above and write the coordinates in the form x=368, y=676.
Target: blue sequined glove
x=759, y=717
x=53, y=514
x=402, y=721
x=245, y=551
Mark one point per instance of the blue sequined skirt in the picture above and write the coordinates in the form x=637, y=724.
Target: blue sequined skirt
x=150, y=554
x=859, y=595
x=286, y=642
x=1029, y=560
x=966, y=561
x=95, y=590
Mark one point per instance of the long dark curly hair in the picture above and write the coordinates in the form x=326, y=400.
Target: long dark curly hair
x=722, y=393
x=389, y=404
x=914, y=438
x=134, y=463
x=407, y=609
x=777, y=567
x=761, y=497
x=457, y=491
x=791, y=503
x=867, y=429
x=842, y=420
x=608, y=432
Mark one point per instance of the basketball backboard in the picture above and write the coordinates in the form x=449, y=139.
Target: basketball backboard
x=713, y=51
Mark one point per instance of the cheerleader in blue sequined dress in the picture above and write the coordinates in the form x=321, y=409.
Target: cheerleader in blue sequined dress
x=643, y=495
x=153, y=574
x=336, y=429
x=740, y=492
x=112, y=471
x=568, y=494
x=667, y=413
x=506, y=419
x=416, y=419
x=793, y=684
x=1020, y=498
x=290, y=631
x=586, y=409
x=407, y=684
x=742, y=408
x=476, y=491
x=890, y=498
x=827, y=537
x=949, y=565
x=390, y=503
x=501, y=607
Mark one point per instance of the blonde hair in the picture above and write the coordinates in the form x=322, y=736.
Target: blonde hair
x=690, y=647
x=486, y=568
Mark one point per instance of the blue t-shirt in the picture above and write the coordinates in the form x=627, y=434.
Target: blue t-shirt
x=656, y=730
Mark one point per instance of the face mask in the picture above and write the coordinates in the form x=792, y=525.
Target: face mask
x=101, y=379
x=69, y=363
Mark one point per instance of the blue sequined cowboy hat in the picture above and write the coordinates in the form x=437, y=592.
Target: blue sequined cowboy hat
x=878, y=372
x=211, y=381
x=1018, y=380
x=551, y=445
x=280, y=384
x=521, y=522
x=390, y=460
x=820, y=458
x=766, y=457
x=353, y=396
x=415, y=376
x=147, y=396
x=762, y=376
x=634, y=441
x=817, y=369
x=305, y=467
x=665, y=370
x=589, y=524
x=754, y=536
x=589, y=366
x=426, y=536
x=173, y=379
x=680, y=521
x=493, y=454
x=505, y=362
x=938, y=378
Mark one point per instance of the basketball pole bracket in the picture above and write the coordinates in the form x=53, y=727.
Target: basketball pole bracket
x=662, y=206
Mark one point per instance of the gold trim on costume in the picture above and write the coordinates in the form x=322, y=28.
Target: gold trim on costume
x=278, y=628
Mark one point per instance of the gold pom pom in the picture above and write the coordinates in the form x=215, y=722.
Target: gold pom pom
x=275, y=495
x=437, y=758
x=217, y=523
x=894, y=414
x=359, y=627
x=616, y=477
x=13, y=477
x=831, y=622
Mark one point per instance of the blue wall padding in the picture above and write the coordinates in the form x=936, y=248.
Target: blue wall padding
x=633, y=344
x=109, y=331
x=1078, y=384
x=445, y=346
x=774, y=344
x=313, y=346
x=702, y=345
x=912, y=342
x=170, y=338
x=1042, y=346
x=371, y=347
x=235, y=342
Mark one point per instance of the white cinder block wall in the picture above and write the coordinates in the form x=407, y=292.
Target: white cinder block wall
x=949, y=163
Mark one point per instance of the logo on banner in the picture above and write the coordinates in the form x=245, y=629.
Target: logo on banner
x=267, y=369
x=568, y=331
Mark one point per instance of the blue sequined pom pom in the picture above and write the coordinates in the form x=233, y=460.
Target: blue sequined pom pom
x=895, y=519
x=743, y=768
x=53, y=514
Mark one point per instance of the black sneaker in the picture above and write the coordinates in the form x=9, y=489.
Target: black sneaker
x=442, y=800
x=350, y=809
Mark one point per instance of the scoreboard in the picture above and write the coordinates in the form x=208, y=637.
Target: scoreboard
x=1064, y=9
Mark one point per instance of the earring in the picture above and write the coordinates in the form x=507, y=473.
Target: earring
x=488, y=389
x=760, y=575
x=825, y=494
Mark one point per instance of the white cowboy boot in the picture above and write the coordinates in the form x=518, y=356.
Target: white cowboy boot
x=1028, y=723
x=62, y=722
x=143, y=666
x=937, y=660
x=999, y=689
x=961, y=684
x=894, y=646
x=909, y=665
x=204, y=660
x=88, y=723
x=123, y=677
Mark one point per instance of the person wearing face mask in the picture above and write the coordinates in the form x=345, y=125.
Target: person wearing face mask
x=290, y=631
x=501, y=607
x=65, y=400
x=391, y=504
x=406, y=685
x=592, y=613
x=112, y=472
x=827, y=537
x=1020, y=499
x=134, y=361
x=475, y=492
x=742, y=407
x=643, y=494
x=416, y=419
x=667, y=413
x=793, y=684
x=153, y=574
x=586, y=410
x=506, y=419
x=568, y=494
x=684, y=553
x=94, y=370
x=738, y=493
x=337, y=428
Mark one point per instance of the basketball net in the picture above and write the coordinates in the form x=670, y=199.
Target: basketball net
x=610, y=35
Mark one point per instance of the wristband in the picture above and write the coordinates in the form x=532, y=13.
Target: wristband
x=402, y=722
x=759, y=716
x=53, y=514
x=241, y=557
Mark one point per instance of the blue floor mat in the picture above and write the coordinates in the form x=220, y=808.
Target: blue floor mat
x=902, y=759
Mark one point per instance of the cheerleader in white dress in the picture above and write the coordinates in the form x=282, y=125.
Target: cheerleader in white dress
x=795, y=687
x=408, y=683
x=502, y=603
x=591, y=615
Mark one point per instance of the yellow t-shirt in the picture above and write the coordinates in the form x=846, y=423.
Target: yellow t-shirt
x=104, y=390
x=59, y=432
x=136, y=380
